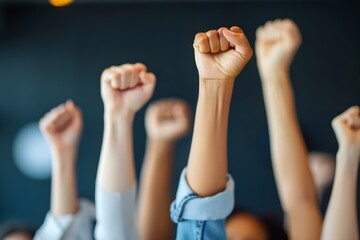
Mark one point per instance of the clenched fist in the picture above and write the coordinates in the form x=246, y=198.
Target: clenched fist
x=126, y=88
x=347, y=129
x=62, y=127
x=221, y=54
x=276, y=45
x=167, y=120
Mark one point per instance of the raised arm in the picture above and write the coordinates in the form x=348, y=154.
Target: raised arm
x=124, y=90
x=276, y=44
x=341, y=216
x=220, y=57
x=205, y=195
x=62, y=128
x=167, y=121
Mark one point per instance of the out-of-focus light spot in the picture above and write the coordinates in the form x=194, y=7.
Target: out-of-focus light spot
x=60, y=3
x=31, y=152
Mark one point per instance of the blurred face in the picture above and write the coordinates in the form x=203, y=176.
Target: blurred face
x=245, y=227
x=322, y=167
x=18, y=236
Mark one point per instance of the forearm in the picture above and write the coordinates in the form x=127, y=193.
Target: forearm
x=116, y=171
x=289, y=154
x=155, y=191
x=341, y=218
x=207, y=165
x=63, y=186
x=289, y=158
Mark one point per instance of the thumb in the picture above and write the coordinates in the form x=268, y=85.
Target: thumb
x=237, y=38
x=148, y=80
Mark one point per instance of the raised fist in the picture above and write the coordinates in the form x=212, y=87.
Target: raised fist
x=125, y=89
x=168, y=120
x=62, y=127
x=276, y=45
x=221, y=54
x=347, y=129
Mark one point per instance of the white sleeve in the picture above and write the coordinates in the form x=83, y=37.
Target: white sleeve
x=77, y=226
x=115, y=214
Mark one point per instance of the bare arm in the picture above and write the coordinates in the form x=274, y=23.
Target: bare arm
x=220, y=57
x=167, y=121
x=155, y=192
x=125, y=90
x=116, y=171
x=62, y=128
x=341, y=216
x=276, y=45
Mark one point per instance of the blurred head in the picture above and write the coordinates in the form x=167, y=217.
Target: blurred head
x=242, y=225
x=322, y=166
x=16, y=231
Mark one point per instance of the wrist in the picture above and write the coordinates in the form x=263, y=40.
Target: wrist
x=118, y=120
x=161, y=144
x=216, y=88
x=216, y=82
x=274, y=73
x=64, y=161
x=347, y=158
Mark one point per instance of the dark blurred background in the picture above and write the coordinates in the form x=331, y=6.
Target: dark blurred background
x=48, y=55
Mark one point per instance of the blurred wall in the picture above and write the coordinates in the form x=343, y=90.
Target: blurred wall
x=48, y=55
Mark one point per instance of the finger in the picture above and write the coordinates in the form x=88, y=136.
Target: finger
x=224, y=43
x=138, y=67
x=202, y=43
x=341, y=121
x=277, y=22
x=61, y=121
x=132, y=75
x=182, y=115
x=112, y=78
x=214, y=41
x=353, y=117
x=74, y=110
x=69, y=104
x=259, y=32
x=237, y=30
x=239, y=40
x=122, y=79
x=148, y=80
x=182, y=111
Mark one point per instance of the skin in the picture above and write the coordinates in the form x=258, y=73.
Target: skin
x=220, y=56
x=322, y=167
x=276, y=45
x=245, y=227
x=18, y=236
x=167, y=121
x=125, y=90
x=341, y=216
x=62, y=128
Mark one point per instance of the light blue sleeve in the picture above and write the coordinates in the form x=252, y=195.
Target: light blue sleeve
x=201, y=218
x=70, y=226
x=115, y=214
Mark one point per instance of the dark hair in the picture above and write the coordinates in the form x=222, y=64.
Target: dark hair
x=272, y=224
x=8, y=228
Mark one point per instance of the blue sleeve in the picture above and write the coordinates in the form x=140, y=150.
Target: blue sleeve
x=201, y=218
x=115, y=214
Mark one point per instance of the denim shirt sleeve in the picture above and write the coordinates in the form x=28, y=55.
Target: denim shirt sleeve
x=70, y=226
x=115, y=213
x=201, y=218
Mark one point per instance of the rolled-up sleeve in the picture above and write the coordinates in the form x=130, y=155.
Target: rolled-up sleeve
x=201, y=218
x=71, y=226
x=115, y=213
